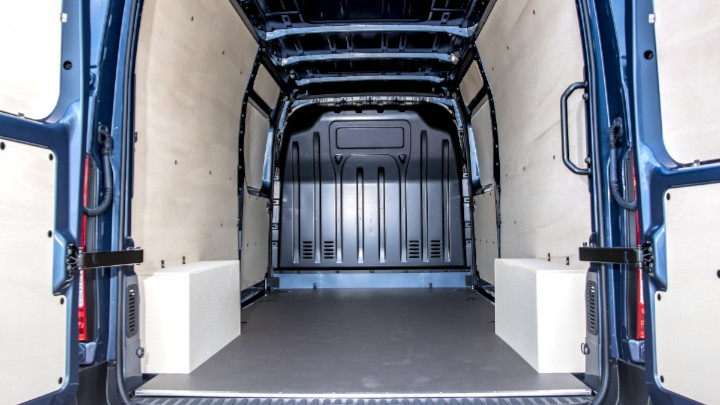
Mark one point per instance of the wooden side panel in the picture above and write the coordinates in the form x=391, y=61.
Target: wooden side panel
x=482, y=130
x=687, y=40
x=192, y=68
x=266, y=87
x=686, y=327
x=471, y=83
x=485, y=215
x=530, y=61
x=30, y=45
x=486, y=247
x=255, y=239
x=33, y=322
x=256, y=135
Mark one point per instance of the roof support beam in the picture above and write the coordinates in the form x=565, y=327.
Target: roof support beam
x=359, y=28
x=357, y=78
x=332, y=57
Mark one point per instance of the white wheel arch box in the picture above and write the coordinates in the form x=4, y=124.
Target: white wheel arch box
x=187, y=314
x=540, y=312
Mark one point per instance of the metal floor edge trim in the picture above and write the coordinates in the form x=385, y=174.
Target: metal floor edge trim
x=545, y=400
x=362, y=396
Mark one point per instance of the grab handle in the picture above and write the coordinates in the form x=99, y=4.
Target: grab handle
x=564, y=128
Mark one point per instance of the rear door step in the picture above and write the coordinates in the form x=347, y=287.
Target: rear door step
x=573, y=400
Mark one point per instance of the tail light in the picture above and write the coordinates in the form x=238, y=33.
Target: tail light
x=640, y=304
x=82, y=312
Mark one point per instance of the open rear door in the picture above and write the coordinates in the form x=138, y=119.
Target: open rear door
x=43, y=83
x=678, y=164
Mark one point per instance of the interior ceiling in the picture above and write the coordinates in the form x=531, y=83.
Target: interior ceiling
x=317, y=42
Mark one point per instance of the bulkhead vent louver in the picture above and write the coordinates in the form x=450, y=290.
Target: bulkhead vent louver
x=329, y=250
x=435, y=249
x=591, y=305
x=414, y=249
x=131, y=310
x=307, y=250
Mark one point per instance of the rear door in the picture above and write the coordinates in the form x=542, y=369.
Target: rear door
x=676, y=82
x=43, y=84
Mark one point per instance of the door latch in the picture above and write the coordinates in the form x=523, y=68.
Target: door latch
x=642, y=256
x=77, y=259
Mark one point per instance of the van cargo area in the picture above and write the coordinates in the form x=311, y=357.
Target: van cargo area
x=379, y=185
x=377, y=343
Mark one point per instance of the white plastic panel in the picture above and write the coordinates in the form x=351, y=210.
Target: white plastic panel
x=686, y=326
x=30, y=45
x=33, y=322
x=187, y=314
x=687, y=41
x=540, y=312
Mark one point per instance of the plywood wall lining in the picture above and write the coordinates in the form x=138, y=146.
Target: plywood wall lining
x=486, y=245
x=481, y=124
x=692, y=225
x=266, y=87
x=192, y=67
x=256, y=234
x=471, y=83
x=545, y=208
x=34, y=322
x=30, y=45
x=256, y=136
x=687, y=41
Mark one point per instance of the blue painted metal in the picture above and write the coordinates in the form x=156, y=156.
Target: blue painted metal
x=103, y=60
x=368, y=77
x=377, y=28
x=373, y=280
x=122, y=129
x=332, y=57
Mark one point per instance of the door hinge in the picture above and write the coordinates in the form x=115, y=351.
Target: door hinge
x=642, y=256
x=76, y=259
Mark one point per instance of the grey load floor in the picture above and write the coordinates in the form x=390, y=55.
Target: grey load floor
x=366, y=343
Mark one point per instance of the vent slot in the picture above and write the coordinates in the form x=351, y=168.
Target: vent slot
x=328, y=250
x=435, y=249
x=131, y=310
x=414, y=249
x=591, y=306
x=307, y=250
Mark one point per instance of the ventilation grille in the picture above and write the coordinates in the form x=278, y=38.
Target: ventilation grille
x=328, y=250
x=307, y=250
x=131, y=305
x=435, y=249
x=591, y=306
x=414, y=249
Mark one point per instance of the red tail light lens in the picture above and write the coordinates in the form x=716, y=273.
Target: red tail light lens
x=82, y=313
x=640, y=305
